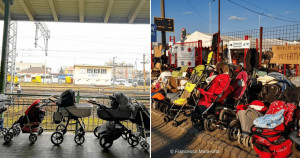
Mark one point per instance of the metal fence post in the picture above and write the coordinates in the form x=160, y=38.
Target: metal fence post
x=260, y=44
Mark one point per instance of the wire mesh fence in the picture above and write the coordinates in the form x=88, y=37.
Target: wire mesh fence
x=262, y=40
x=20, y=103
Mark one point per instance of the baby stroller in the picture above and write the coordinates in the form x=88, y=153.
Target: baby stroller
x=208, y=98
x=225, y=112
x=282, y=80
x=122, y=109
x=2, y=110
x=271, y=132
x=187, y=97
x=67, y=108
x=29, y=123
x=240, y=128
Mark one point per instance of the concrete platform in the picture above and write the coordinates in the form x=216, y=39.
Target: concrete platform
x=43, y=148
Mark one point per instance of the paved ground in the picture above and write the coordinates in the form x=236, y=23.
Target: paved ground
x=166, y=140
x=21, y=147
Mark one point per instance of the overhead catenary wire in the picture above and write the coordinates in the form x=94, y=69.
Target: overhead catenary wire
x=268, y=10
x=273, y=17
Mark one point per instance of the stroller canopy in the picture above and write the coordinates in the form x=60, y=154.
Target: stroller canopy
x=123, y=101
x=282, y=80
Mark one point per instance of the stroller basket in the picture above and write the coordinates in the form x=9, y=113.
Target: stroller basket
x=113, y=114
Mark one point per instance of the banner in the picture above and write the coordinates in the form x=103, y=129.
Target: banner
x=242, y=44
x=185, y=55
x=286, y=54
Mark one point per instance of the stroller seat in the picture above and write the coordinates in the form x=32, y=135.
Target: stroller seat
x=80, y=109
x=113, y=114
x=189, y=87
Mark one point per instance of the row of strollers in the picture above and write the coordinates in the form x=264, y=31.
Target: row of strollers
x=121, y=108
x=258, y=109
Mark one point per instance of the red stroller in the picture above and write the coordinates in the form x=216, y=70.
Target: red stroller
x=225, y=111
x=210, y=96
x=274, y=142
x=29, y=123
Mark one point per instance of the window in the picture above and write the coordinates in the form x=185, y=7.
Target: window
x=96, y=71
x=103, y=71
x=17, y=68
x=83, y=71
x=89, y=71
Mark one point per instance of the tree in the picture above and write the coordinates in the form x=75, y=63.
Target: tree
x=61, y=71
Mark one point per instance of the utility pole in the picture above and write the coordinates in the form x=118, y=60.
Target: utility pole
x=163, y=33
x=218, y=47
x=209, y=17
x=144, y=63
x=45, y=33
x=114, y=72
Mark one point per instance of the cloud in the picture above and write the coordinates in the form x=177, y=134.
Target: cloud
x=288, y=12
x=236, y=18
x=187, y=12
x=270, y=15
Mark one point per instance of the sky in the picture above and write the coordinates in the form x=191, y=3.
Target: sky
x=84, y=43
x=194, y=14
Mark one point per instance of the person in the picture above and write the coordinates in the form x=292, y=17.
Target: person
x=225, y=54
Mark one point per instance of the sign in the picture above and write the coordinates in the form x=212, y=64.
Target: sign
x=185, y=55
x=242, y=44
x=286, y=54
x=153, y=33
x=164, y=24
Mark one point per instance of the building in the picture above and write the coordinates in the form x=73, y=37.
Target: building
x=123, y=70
x=22, y=66
x=27, y=75
x=92, y=75
x=69, y=70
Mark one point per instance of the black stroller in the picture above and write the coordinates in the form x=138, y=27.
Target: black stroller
x=2, y=110
x=122, y=109
x=67, y=108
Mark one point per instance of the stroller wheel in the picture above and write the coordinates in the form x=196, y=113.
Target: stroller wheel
x=4, y=130
x=233, y=130
x=105, y=141
x=167, y=119
x=79, y=139
x=32, y=138
x=156, y=105
x=240, y=139
x=296, y=149
x=125, y=134
x=96, y=132
x=15, y=131
x=133, y=140
x=41, y=131
x=145, y=145
x=248, y=141
x=18, y=130
x=57, y=138
x=209, y=123
x=8, y=136
x=61, y=128
x=175, y=124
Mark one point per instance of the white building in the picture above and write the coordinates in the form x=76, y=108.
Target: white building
x=92, y=75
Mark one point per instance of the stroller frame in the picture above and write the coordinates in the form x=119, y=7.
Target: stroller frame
x=106, y=140
x=169, y=118
x=61, y=129
x=15, y=129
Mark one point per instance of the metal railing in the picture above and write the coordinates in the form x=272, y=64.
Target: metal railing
x=20, y=103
